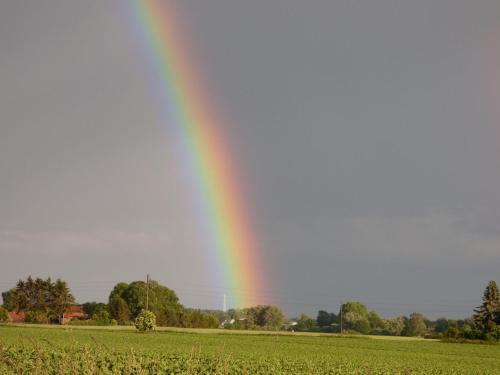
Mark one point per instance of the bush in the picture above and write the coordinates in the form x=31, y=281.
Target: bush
x=145, y=321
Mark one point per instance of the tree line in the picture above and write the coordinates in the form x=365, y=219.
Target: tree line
x=354, y=317
x=44, y=301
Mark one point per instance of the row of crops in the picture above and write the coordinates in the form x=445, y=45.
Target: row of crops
x=55, y=351
x=23, y=360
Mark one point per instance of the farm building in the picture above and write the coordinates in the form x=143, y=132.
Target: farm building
x=75, y=312
x=16, y=317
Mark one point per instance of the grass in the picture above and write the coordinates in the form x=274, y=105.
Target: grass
x=121, y=350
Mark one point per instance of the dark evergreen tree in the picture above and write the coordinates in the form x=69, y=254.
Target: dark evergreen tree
x=487, y=316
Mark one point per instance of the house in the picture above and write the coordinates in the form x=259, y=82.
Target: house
x=75, y=312
x=16, y=316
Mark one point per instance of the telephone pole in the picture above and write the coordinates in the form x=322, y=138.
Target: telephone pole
x=147, y=292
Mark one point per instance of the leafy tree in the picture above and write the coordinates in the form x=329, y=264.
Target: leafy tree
x=355, y=317
x=170, y=318
x=441, y=325
x=135, y=296
x=469, y=332
x=119, y=290
x=325, y=318
x=305, y=323
x=452, y=330
x=91, y=308
x=416, y=325
x=118, y=309
x=213, y=321
x=487, y=316
x=361, y=326
x=395, y=327
x=162, y=300
x=376, y=322
x=264, y=317
x=196, y=319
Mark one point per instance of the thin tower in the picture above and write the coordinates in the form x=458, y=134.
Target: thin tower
x=224, y=306
x=147, y=292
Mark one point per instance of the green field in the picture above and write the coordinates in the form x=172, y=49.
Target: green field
x=26, y=350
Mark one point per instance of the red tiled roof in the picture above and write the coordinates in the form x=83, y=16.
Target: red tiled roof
x=75, y=311
x=75, y=308
x=16, y=317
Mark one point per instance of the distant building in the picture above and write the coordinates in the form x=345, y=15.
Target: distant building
x=75, y=312
x=16, y=317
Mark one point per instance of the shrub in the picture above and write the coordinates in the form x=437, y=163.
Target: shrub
x=145, y=321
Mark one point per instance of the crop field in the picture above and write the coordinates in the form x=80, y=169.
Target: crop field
x=34, y=350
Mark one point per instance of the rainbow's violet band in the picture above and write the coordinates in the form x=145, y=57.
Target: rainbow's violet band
x=221, y=208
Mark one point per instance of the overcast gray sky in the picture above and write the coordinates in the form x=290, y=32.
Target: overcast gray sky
x=368, y=132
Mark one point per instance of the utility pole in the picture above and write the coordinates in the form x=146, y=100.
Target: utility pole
x=147, y=292
x=224, y=306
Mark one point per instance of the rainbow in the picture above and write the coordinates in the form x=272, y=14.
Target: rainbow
x=203, y=151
